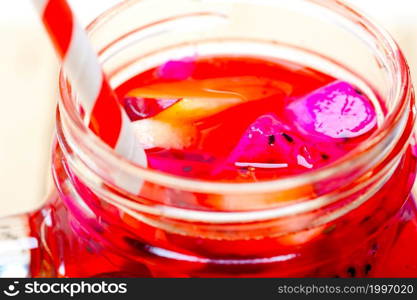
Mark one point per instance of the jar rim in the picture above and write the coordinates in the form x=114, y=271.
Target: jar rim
x=386, y=134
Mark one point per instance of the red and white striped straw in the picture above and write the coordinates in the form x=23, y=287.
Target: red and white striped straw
x=103, y=112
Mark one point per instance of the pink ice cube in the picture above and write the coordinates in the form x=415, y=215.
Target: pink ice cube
x=337, y=110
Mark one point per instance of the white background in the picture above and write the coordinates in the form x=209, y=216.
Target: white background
x=28, y=72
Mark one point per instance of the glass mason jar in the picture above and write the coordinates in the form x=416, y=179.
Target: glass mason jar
x=353, y=218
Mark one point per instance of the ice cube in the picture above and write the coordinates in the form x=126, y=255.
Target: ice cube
x=337, y=110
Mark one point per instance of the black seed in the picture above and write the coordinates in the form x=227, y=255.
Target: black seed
x=287, y=137
x=374, y=248
x=324, y=156
x=336, y=276
x=271, y=139
x=329, y=229
x=366, y=219
x=136, y=244
x=351, y=271
x=89, y=249
x=367, y=269
x=358, y=91
x=187, y=169
x=244, y=171
x=99, y=228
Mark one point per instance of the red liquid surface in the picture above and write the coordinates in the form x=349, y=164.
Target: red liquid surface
x=234, y=119
x=217, y=119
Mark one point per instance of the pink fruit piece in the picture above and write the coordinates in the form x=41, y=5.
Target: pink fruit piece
x=267, y=140
x=177, y=69
x=138, y=108
x=268, y=145
x=337, y=110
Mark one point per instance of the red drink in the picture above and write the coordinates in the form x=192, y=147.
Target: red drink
x=237, y=119
x=204, y=124
x=279, y=143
